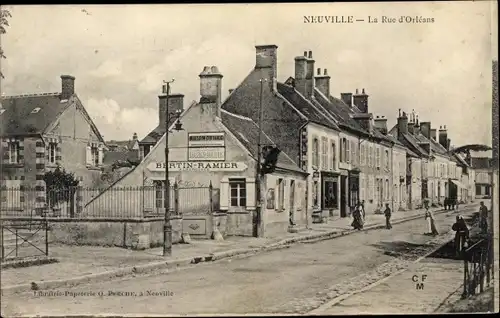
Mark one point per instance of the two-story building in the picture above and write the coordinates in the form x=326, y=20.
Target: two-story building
x=43, y=131
x=482, y=167
x=215, y=149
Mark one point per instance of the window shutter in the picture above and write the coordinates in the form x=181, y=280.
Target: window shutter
x=224, y=194
x=285, y=195
x=348, y=153
x=101, y=155
x=88, y=157
x=250, y=184
x=361, y=190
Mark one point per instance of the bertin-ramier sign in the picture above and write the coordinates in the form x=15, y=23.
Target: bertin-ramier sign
x=198, y=166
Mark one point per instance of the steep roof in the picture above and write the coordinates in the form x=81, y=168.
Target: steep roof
x=111, y=157
x=30, y=114
x=435, y=146
x=411, y=143
x=247, y=131
x=155, y=134
x=314, y=114
x=481, y=163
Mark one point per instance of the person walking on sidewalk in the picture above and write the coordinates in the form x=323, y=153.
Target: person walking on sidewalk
x=429, y=216
x=362, y=210
x=357, y=222
x=387, y=214
x=461, y=234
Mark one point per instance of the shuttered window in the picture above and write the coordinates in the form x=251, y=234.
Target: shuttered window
x=238, y=192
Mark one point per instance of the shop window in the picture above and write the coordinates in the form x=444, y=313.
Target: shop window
x=330, y=200
x=238, y=192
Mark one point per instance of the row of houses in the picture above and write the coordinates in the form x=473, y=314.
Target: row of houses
x=333, y=152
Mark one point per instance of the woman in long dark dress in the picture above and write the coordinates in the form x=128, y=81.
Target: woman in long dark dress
x=357, y=222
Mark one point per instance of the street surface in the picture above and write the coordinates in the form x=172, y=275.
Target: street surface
x=264, y=283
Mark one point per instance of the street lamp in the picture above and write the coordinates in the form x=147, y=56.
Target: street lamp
x=167, y=226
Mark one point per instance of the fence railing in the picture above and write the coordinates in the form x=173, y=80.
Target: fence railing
x=24, y=239
x=478, y=267
x=116, y=202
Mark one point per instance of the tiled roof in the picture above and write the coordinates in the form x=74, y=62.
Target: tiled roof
x=111, y=157
x=435, y=146
x=30, y=114
x=156, y=133
x=481, y=163
x=304, y=106
x=247, y=131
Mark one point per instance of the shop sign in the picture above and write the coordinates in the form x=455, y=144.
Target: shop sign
x=198, y=166
x=208, y=139
x=207, y=154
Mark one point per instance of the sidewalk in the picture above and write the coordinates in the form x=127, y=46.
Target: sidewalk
x=83, y=263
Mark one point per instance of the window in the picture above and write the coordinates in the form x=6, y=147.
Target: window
x=378, y=158
x=238, y=192
x=348, y=151
x=52, y=152
x=324, y=153
x=147, y=149
x=354, y=153
x=342, y=150
x=159, y=194
x=95, y=155
x=334, y=155
x=370, y=156
x=281, y=195
x=315, y=153
x=387, y=163
x=330, y=188
x=387, y=189
x=13, y=151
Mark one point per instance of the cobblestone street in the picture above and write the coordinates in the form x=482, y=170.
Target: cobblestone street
x=282, y=281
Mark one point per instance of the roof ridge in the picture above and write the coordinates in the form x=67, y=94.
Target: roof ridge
x=237, y=116
x=31, y=95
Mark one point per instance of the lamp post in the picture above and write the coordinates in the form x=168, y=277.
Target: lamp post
x=167, y=226
x=258, y=194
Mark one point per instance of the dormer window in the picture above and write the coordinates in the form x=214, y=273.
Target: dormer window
x=36, y=110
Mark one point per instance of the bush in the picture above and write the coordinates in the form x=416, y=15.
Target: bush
x=60, y=186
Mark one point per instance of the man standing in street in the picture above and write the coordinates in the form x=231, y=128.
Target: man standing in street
x=483, y=217
x=387, y=213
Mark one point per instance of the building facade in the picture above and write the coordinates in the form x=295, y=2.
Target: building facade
x=40, y=133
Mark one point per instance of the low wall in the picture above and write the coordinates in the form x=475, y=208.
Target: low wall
x=239, y=223
x=128, y=233
x=202, y=226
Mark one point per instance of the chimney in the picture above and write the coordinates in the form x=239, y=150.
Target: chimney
x=381, y=124
x=361, y=101
x=402, y=124
x=310, y=76
x=425, y=129
x=300, y=73
x=448, y=144
x=175, y=103
x=433, y=134
x=346, y=98
x=323, y=82
x=266, y=58
x=211, y=87
x=67, y=86
x=443, y=136
x=134, y=137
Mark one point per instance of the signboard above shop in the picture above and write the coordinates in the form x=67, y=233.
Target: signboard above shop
x=198, y=166
x=206, y=139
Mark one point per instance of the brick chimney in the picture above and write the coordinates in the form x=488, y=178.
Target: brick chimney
x=266, y=58
x=443, y=136
x=323, y=82
x=310, y=76
x=300, y=73
x=175, y=103
x=402, y=124
x=361, y=101
x=67, y=86
x=425, y=129
x=346, y=98
x=381, y=124
x=211, y=88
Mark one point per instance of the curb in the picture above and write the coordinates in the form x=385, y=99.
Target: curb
x=149, y=267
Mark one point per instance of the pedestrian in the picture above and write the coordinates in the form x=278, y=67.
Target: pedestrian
x=357, y=221
x=362, y=210
x=387, y=214
x=429, y=216
x=461, y=234
x=483, y=217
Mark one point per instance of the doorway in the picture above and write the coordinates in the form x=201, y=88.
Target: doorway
x=292, y=203
x=343, y=196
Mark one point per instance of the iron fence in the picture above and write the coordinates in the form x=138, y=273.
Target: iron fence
x=478, y=269
x=22, y=239
x=115, y=202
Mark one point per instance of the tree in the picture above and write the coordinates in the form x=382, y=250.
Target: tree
x=4, y=15
x=60, y=186
x=467, y=149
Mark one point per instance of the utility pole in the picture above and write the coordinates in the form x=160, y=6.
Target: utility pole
x=167, y=226
x=258, y=177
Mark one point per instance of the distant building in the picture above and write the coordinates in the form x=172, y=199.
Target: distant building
x=124, y=145
x=482, y=167
x=40, y=132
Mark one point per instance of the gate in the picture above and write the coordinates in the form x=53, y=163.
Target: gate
x=23, y=238
x=478, y=267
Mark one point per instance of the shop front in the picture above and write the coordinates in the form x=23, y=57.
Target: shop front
x=330, y=191
x=353, y=188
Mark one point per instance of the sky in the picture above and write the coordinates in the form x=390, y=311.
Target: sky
x=120, y=54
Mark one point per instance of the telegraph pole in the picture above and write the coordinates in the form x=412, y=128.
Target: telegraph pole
x=258, y=179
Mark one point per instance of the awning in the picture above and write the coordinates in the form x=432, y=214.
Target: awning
x=459, y=184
